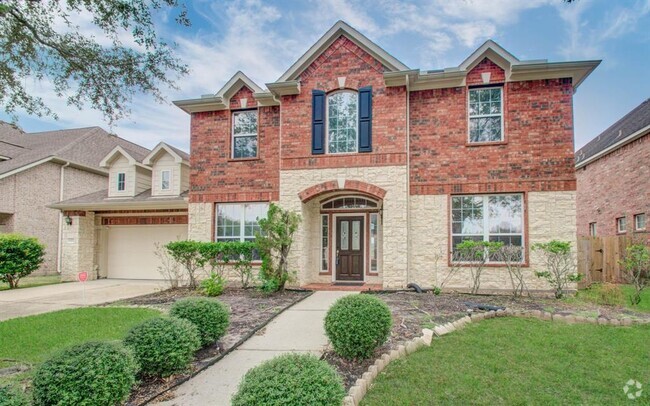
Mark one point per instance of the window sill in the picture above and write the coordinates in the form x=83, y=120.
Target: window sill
x=243, y=159
x=485, y=144
x=523, y=265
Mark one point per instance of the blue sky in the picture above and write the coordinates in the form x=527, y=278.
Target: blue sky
x=263, y=38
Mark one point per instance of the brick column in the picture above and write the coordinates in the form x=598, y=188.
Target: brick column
x=78, y=245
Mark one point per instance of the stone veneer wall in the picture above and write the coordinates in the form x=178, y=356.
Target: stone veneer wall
x=200, y=221
x=78, y=247
x=304, y=257
x=551, y=215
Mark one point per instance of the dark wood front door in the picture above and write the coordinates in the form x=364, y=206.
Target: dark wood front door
x=349, y=248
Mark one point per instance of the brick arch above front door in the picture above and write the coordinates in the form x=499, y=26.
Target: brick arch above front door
x=335, y=186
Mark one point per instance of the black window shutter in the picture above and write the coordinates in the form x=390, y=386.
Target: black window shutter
x=318, y=122
x=365, y=119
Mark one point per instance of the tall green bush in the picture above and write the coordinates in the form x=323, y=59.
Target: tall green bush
x=636, y=267
x=9, y=397
x=274, y=243
x=19, y=257
x=188, y=254
x=93, y=373
x=559, y=263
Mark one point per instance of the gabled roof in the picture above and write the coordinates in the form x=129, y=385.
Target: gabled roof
x=101, y=201
x=114, y=154
x=179, y=156
x=221, y=99
x=338, y=29
x=515, y=70
x=83, y=148
x=632, y=126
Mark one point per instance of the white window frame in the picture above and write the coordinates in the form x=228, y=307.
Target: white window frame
x=470, y=117
x=592, y=229
x=621, y=221
x=123, y=182
x=322, y=206
x=327, y=122
x=636, y=222
x=370, y=245
x=486, y=228
x=233, y=136
x=242, y=220
x=162, y=179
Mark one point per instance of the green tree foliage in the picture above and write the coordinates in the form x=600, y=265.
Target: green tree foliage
x=473, y=255
x=274, y=244
x=189, y=254
x=120, y=55
x=19, y=256
x=636, y=265
x=559, y=263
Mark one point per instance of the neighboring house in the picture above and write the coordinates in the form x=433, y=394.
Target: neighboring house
x=37, y=169
x=613, y=172
x=390, y=167
x=113, y=233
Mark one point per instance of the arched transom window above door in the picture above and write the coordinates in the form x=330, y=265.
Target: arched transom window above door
x=348, y=203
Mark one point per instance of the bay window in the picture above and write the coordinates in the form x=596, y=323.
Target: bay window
x=490, y=218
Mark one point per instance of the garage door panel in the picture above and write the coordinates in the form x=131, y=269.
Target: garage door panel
x=131, y=249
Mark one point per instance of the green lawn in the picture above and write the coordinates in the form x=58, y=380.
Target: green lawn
x=31, y=281
x=592, y=295
x=31, y=340
x=510, y=361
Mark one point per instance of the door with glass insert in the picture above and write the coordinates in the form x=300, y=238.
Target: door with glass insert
x=349, y=248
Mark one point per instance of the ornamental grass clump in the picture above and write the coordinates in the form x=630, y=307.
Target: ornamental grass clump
x=163, y=346
x=358, y=324
x=211, y=317
x=291, y=379
x=93, y=373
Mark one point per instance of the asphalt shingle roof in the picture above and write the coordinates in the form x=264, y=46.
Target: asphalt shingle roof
x=632, y=122
x=85, y=146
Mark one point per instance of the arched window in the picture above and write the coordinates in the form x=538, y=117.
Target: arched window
x=342, y=122
x=343, y=203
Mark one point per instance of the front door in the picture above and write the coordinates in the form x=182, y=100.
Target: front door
x=349, y=248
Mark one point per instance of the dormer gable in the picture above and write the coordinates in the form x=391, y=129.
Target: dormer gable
x=169, y=170
x=126, y=176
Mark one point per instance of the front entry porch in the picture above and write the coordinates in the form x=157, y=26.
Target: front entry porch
x=344, y=287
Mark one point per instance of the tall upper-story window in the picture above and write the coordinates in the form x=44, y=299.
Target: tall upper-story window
x=342, y=122
x=165, y=179
x=486, y=115
x=244, y=134
x=121, y=182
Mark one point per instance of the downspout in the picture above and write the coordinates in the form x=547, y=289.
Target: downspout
x=59, y=249
x=408, y=180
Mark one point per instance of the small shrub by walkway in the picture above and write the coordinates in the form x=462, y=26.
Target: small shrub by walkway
x=520, y=361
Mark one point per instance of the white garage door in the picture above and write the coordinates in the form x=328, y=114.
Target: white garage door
x=130, y=251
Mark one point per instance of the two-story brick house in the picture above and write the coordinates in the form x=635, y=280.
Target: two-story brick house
x=389, y=166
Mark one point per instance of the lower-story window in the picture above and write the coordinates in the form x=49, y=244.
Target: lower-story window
x=239, y=221
x=324, y=245
x=374, y=228
x=493, y=218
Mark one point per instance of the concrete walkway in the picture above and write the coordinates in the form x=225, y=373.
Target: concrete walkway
x=298, y=329
x=43, y=299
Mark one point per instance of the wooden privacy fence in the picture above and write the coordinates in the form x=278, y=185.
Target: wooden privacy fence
x=599, y=258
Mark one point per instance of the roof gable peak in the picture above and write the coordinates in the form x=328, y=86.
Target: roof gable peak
x=338, y=29
x=163, y=147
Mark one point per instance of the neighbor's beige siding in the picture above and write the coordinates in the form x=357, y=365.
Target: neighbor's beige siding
x=121, y=165
x=165, y=162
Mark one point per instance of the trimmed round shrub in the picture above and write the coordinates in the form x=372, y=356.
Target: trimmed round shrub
x=209, y=316
x=290, y=379
x=9, y=397
x=93, y=373
x=163, y=346
x=357, y=324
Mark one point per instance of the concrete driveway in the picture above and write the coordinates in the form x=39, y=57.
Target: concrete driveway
x=43, y=299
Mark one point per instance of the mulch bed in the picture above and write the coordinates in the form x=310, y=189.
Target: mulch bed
x=249, y=309
x=412, y=312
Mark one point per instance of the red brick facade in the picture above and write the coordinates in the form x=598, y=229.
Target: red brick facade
x=616, y=185
x=536, y=154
